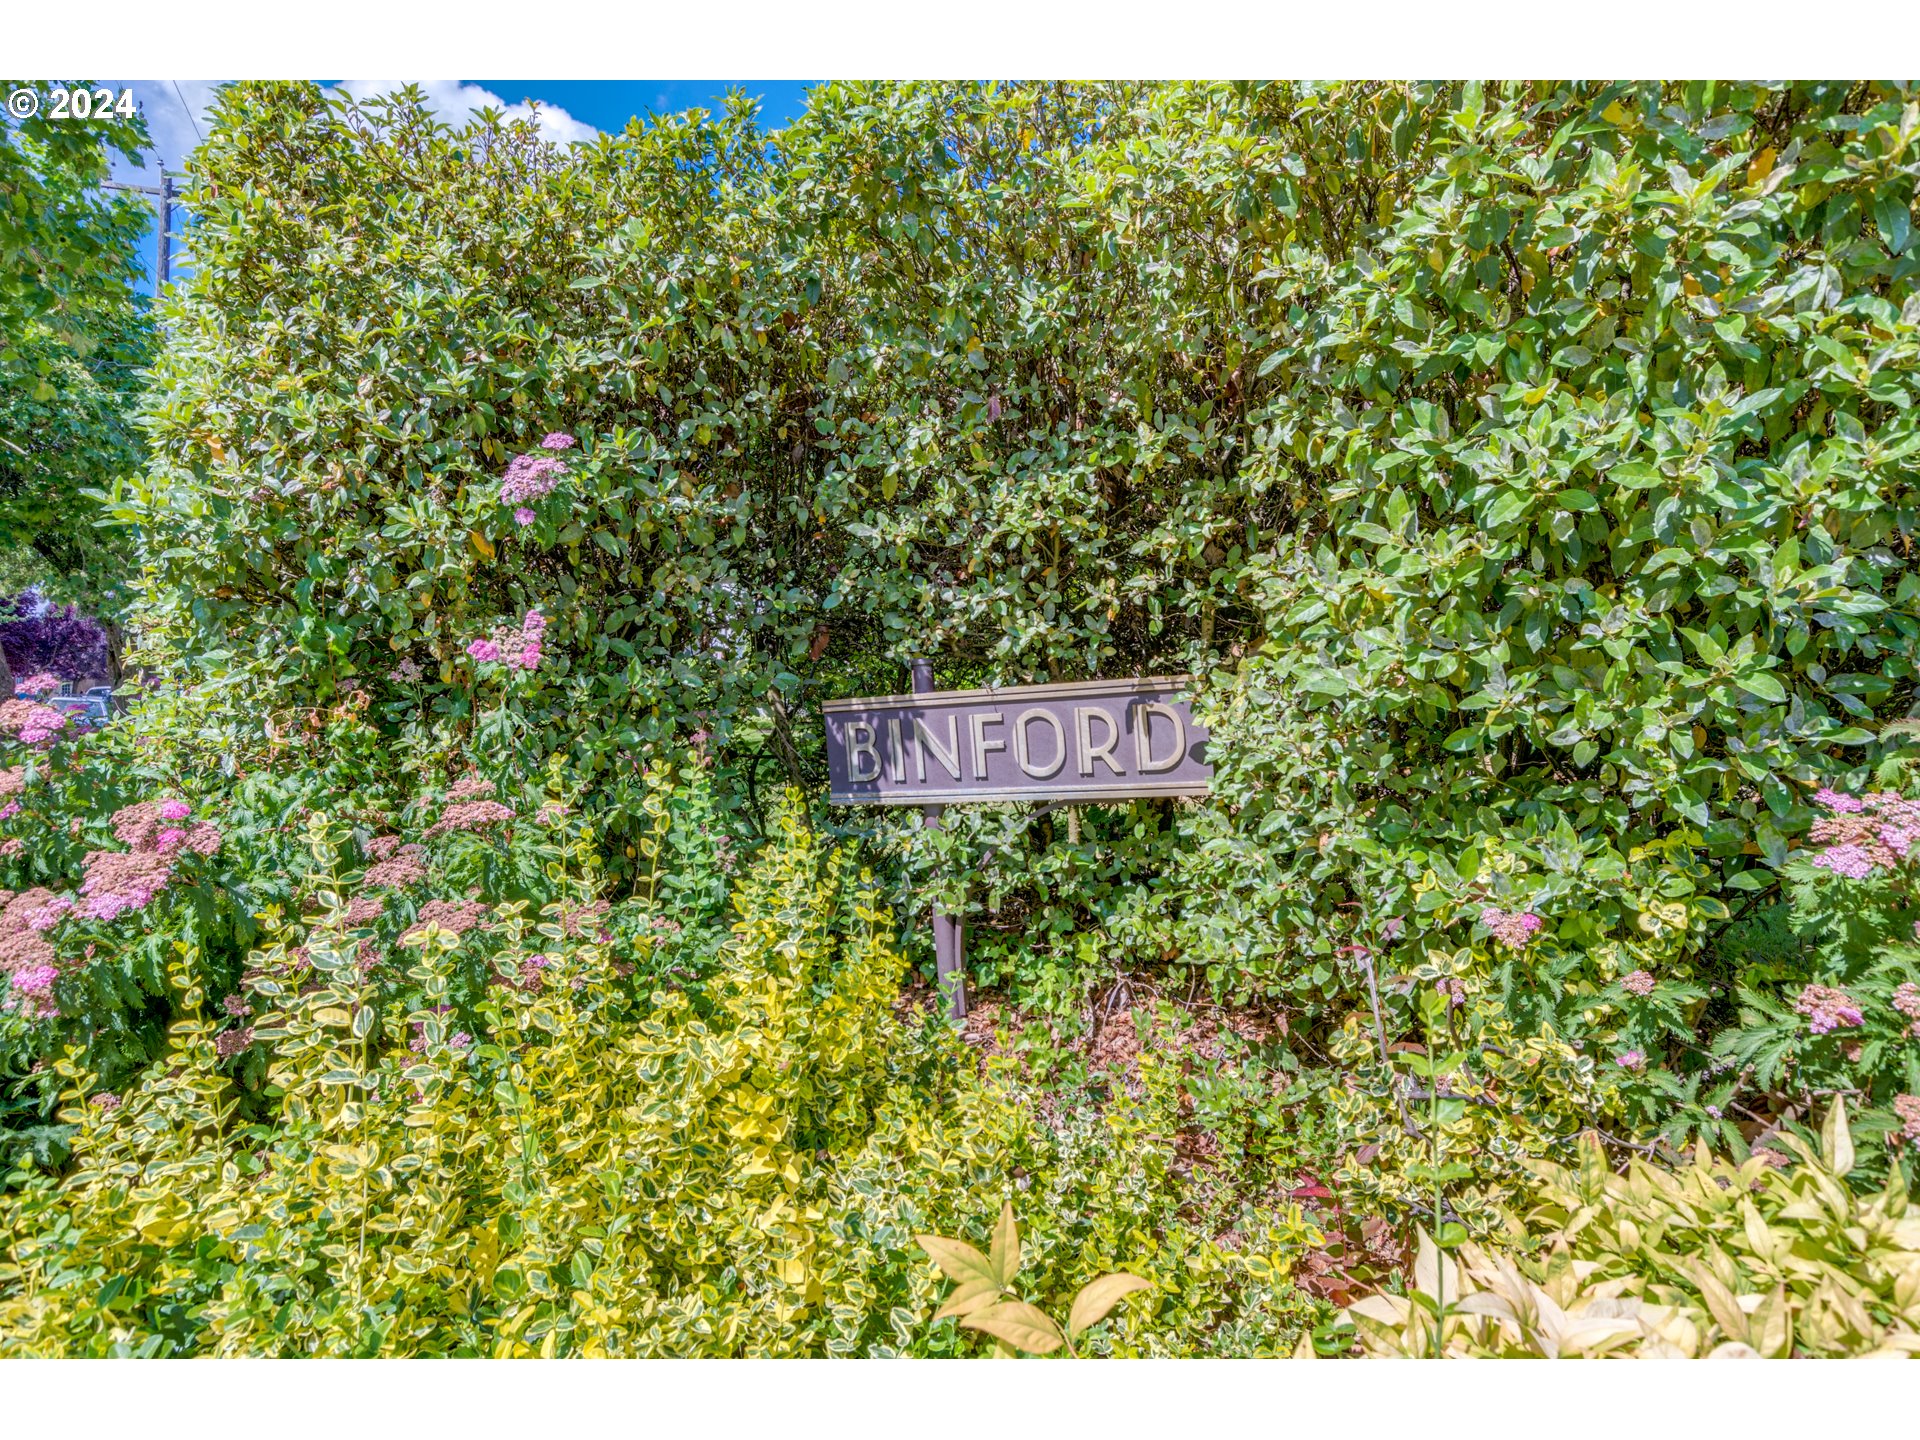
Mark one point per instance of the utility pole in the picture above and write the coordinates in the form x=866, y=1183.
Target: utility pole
x=164, y=193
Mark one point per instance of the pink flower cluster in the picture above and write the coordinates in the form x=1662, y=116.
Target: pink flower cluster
x=1827, y=1009
x=30, y=723
x=41, y=682
x=1864, y=833
x=1638, y=983
x=529, y=477
x=519, y=649
x=457, y=916
x=1907, y=1107
x=401, y=869
x=1906, y=1000
x=469, y=787
x=1511, y=930
x=1634, y=1060
x=469, y=815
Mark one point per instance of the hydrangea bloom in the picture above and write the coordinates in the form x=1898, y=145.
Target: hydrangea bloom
x=41, y=682
x=1827, y=1008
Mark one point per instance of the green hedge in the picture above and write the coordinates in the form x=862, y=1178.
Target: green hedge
x=1527, y=471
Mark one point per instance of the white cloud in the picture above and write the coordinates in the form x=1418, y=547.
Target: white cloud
x=172, y=115
x=177, y=119
x=453, y=101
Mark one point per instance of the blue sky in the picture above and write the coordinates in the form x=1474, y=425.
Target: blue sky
x=176, y=112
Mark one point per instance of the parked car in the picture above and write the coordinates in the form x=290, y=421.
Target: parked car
x=93, y=708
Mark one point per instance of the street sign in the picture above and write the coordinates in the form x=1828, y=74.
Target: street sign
x=1092, y=740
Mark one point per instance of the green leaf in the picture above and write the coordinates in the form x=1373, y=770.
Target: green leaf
x=1763, y=686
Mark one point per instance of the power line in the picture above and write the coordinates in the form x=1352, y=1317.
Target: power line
x=189, y=109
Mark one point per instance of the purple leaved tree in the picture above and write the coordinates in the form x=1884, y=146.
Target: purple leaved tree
x=37, y=636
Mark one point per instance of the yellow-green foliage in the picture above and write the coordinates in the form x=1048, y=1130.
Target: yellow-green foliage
x=736, y=1167
x=1713, y=1259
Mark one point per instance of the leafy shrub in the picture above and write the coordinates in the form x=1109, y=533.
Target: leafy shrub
x=1719, y=1258
x=511, y=1147
x=981, y=1297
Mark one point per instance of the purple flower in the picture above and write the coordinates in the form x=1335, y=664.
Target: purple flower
x=484, y=651
x=523, y=517
x=1838, y=803
x=1638, y=983
x=1634, y=1060
x=558, y=440
x=174, y=810
x=106, y=1100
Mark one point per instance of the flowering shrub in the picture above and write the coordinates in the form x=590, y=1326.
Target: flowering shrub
x=564, y=1162
x=1836, y=1012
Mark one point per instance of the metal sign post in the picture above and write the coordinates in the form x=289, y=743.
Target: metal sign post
x=1091, y=740
x=949, y=936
